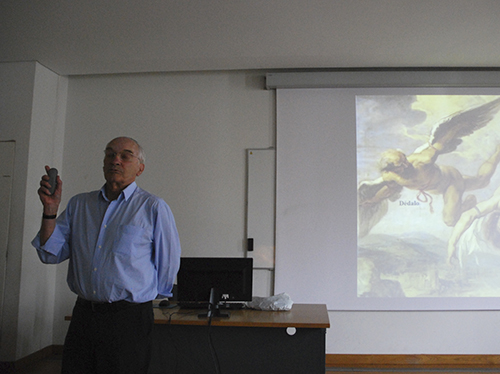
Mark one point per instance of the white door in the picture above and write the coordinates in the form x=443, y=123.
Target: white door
x=7, y=150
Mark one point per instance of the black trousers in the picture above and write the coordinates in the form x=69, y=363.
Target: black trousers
x=108, y=338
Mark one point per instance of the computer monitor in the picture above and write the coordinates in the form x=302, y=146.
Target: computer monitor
x=230, y=277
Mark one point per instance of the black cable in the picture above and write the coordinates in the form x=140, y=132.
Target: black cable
x=210, y=316
x=180, y=354
x=215, y=359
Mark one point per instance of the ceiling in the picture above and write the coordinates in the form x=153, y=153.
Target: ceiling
x=121, y=36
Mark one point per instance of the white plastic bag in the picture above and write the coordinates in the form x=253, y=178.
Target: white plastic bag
x=278, y=302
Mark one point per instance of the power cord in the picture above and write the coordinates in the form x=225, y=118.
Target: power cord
x=215, y=358
x=180, y=354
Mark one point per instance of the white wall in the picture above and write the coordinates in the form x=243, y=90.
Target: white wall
x=31, y=97
x=459, y=332
x=195, y=129
x=37, y=291
x=16, y=95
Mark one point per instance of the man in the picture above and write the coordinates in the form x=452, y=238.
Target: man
x=123, y=251
x=420, y=172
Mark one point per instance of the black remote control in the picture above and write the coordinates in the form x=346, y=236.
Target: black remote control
x=52, y=180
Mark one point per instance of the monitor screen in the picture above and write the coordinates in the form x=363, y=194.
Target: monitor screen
x=230, y=277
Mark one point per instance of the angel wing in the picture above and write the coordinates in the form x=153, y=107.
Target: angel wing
x=450, y=131
x=370, y=213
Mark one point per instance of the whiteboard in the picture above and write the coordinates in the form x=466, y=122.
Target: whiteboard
x=261, y=207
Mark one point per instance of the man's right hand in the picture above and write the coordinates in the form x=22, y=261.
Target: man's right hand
x=50, y=202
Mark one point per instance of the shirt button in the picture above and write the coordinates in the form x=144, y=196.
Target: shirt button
x=95, y=269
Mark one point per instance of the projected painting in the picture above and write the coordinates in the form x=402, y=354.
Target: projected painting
x=428, y=196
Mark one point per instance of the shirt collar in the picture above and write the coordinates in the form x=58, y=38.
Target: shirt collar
x=125, y=194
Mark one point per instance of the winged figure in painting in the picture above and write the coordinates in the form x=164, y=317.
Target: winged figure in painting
x=419, y=171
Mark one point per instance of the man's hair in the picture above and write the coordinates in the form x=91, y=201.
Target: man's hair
x=391, y=159
x=142, y=155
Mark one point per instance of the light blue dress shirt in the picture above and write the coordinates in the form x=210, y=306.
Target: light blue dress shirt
x=125, y=249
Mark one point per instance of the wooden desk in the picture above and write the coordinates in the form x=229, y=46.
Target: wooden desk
x=248, y=342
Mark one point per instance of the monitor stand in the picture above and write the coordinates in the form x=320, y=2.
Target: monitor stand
x=213, y=307
x=215, y=312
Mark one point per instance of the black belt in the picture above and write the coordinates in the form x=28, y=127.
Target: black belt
x=106, y=307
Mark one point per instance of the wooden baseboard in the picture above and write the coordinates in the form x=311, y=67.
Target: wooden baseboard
x=424, y=361
x=11, y=367
x=379, y=361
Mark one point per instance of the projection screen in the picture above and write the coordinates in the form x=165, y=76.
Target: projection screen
x=388, y=198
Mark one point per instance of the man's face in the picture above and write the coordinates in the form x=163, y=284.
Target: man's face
x=121, y=165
